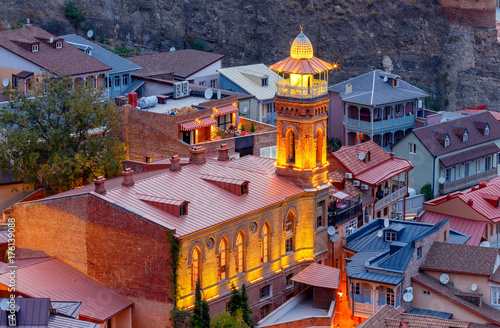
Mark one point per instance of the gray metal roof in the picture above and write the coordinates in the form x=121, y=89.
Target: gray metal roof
x=377, y=277
x=57, y=321
x=134, y=86
x=443, y=315
x=69, y=309
x=370, y=89
x=33, y=312
x=117, y=63
x=242, y=76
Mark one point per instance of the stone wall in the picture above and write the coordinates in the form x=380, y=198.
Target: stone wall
x=474, y=13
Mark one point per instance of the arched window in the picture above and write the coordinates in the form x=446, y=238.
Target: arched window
x=319, y=146
x=290, y=147
x=223, y=259
x=240, y=253
x=265, y=244
x=289, y=229
x=195, y=267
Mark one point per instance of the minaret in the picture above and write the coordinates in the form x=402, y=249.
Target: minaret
x=301, y=103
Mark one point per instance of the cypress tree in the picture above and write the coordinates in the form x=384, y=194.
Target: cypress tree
x=201, y=316
x=245, y=309
x=234, y=301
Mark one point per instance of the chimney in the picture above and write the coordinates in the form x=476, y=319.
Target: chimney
x=197, y=155
x=348, y=88
x=128, y=177
x=470, y=202
x=175, y=163
x=223, y=153
x=99, y=185
x=392, y=155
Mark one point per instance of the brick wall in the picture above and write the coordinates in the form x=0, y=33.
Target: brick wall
x=118, y=248
x=474, y=13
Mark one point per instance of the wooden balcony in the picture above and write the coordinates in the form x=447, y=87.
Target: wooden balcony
x=390, y=198
x=365, y=310
x=381, y=124
x=466, y=182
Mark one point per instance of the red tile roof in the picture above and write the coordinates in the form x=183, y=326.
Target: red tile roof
x=472, y=228
x=53, y=278
x=468, y=155
x=474, y=110
x=384, y=171
x=319, y=276
x=65, y=61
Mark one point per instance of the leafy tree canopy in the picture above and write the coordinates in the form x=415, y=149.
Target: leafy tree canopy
x=225, y=320
x=62, y=137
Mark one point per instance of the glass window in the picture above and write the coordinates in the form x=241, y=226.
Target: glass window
x=351, y=226
x=412, y=148
x=117, y=81
x=419, y=252
x=465, y=137
x=447, y=142
x=467, y=169
x=201, y=83
x=289, y=233
x=289, y=281
x=34, y=48
x=125, y=80
x=487, y=163
x=265, y=310
x=448, y=175
x=486, y=130
x=265, y=244
x=265, y=291
x=223, y=259
x=59, y=44
x=356, y=289
x=195, y=268
x=240, y=253
x=390, y=296
x=213, y=83
x=390, y=236
x=495, y=295
x=264, y=82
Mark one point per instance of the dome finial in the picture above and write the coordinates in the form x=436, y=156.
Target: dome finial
x=301, y=29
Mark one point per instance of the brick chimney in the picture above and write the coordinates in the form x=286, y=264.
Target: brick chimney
x=197, y=155
x=175, y=163
x=223, y=153
x=128, y=177
x=470, y=202
x=99, y=185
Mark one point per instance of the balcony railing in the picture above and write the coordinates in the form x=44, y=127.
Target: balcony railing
x=338, y=216
x=381, y=124
x=390, y=198
x=471, y=180
x=365, y=308
x=318, y=88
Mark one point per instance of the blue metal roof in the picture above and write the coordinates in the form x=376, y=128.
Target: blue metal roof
x=377, y=277
x=443, y=315
x=117, y=63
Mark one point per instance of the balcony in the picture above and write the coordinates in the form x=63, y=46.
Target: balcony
x=318, y=88
x=410, y=119
x=338, y=215
x=466, y=182
x=365, y=310
x=391, y=197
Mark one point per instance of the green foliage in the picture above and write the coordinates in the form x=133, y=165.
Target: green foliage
x=245, y=309
x=252, y=127
x=61, y=138
x=125, y=51
x=180, y=318
x=243, y=127
x=17, y=25
x=225, y=320
x=238, y=303
x=201, y=316
x=72, y=13
x=198, y=45
x=175, y=258
x=427, y=191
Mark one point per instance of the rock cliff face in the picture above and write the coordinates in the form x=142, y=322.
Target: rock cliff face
x=458, y=66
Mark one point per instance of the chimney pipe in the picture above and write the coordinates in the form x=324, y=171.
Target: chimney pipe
x=175, y=163
x=470, y=202
x=128, y=177
x=223, y=153
x=348, y=88
x=197, y=155
x=99, y=185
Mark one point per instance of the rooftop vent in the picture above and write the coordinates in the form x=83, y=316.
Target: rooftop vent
x=128, y=177
x=175, y=163
x=99, y=185
x=197, y=155
x=348, y=88
x=223, y=153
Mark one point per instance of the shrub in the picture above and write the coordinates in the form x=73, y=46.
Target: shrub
x=427, y=191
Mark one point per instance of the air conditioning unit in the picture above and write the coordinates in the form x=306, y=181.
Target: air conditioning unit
x=348, y=175
x=356, y=183
x=349, y=231
x=181, y=89
x=365, y=187
x=409, y=290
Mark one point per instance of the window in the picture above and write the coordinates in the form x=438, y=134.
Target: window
x=59, y=44
x=244, y=188
x=224, y=121
x=265, y=244
x=265, y=310
x=467, y=169
x=486, y=130
x=289, y=233
x=265, y=291
x=390, y=236
x=201, y=83
x=447, y=142
x=125, y=80
x=240, y=253
x=350, y=226
x=465, y=137
x=390, y=296
x=448, y=175
x=426, y=292
x=399, y=110
x=419, y=252
x=15, y=82
x=117, y=81
x=223, y=259
x=195, y=268
x=487, y=163
x=34, y=48
x=264, y=82
x=320, y=212
x=290, y=147
x=319, y=146
x=495, y=295
x=183, y=209
x=445, y=236
x=289, y=281
x=395, y=83
x=356, y=288
x=213, y=83
x=412, y=148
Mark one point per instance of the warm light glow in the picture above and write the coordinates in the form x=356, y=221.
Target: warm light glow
x=286, y=266
x=212, y=298
x=340, y=293
x=301, y=47
x=305, y=259
x=255, y=280
x=277, y=271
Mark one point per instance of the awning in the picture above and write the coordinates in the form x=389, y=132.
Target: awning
x=23, y=75
x=340, y=195
x=207, y=121
x=191, y=125
x=228, y=109
x=319, y=276
x=465, y=156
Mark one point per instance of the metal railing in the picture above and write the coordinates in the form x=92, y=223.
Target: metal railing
x=471, y=180
x=285, y=89
x=365, y=308
x=337, y=216
x=390, y=198
x=409, y=119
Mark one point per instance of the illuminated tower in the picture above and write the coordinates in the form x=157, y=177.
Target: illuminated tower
x=301, y=103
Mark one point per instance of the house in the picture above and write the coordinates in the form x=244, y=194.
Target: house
x=27, y=52
x=377, y=173
x=474, y=212
x=382, y=257
x=452, y=155
x=60, y=282
x=195, y=66
x=376, y=106
x=118, y=80
x=462, y=280
x=257, y=80
x=252, y=221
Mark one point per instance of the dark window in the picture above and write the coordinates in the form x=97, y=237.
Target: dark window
x=244, y=188
x=289, y=281
x=289, y=245
x=390, y=236
x=265, y=291
x=201, y=83
x=320, y=212
x=426, y=292
x=319, y=221
x=444, y=237
x=356, y=288
x=117, y=81
x=264, y=82
x=224, y=122
x=213, y=83
x=264, y=311
x=59, y=44
x=183, y=209
x=419, y=252
x=148, y=159
x=15, y=82
x=125, y=80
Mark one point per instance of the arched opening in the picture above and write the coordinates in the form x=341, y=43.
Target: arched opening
x=290, y=147
x=387, y=112
x=223, y=251
x=195, y=267
x=265, y=243
x=289, y=232
x=365, y=115
x=319, y=146
x=377, y=139
x=387, y=142
x=407, y=131
x=352, y=112
x=398, y=135
x=240, y=253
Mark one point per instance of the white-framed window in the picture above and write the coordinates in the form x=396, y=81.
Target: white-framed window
x=487, y=130
x=495, y=296
x=117, y=81
x=34, y=48
x=213, y=83
x=467, y=169
x=266, y=291
x=264, y=82
x=419, y=252
x=447, y=142
x=59, y=44
x=465, y=137
x=412, y=148
x=351, y=226
x=390, y=300
x=202, y=83
x=390, y=236
x=125, y=80
x=356, y=290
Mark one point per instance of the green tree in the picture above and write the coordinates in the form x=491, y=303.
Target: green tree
x=180, y=318
x=61, y=137
x=245, y=309
x=201, y=316
x=72, y=13
x=427, y=191
x=198, y=45
x=234, y=301
x=252, y=127
x=239, y=303
x=225, y=320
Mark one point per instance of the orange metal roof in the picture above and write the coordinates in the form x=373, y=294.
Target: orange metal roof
x=207, y=121
x=53, y=278
x=228, y=109
x=319, y=276
x=384, y=171
x=191, y=125
x=479, y=203
x=301, y=66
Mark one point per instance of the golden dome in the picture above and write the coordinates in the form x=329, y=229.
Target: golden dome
x=301, y=47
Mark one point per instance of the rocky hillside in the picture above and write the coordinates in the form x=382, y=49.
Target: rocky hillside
x=457, y=66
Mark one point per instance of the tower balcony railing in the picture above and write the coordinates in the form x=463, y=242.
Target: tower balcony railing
x=285, y=89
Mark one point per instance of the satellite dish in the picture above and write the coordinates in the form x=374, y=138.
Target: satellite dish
x=331, y=230
x=485, y=244
x=208, y=94
x=386, y=222
x=380, y=233
x=441, y=180
x=4, y=304
x=5, y=82
x=245, y=109
x=361, y=156
x=385, y=78
x=51, y=39
x=334, y=238
x=219, y=95
x=90, y=33
x=473, y=287
x=172, y=49
x=408, y=297
x=444, y=278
